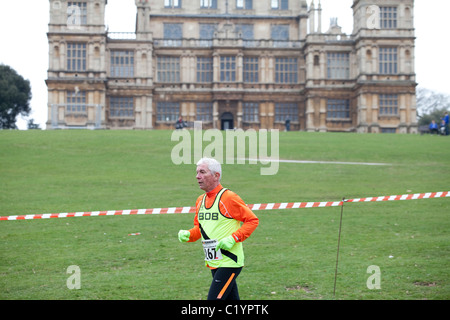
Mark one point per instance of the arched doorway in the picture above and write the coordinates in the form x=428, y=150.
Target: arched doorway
x=227, y=121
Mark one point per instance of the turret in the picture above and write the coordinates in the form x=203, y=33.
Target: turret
x=143, y=20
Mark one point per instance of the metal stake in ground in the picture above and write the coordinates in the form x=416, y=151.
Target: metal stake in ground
x=339, y=243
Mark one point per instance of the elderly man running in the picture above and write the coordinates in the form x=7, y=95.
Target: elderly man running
x=217, y=221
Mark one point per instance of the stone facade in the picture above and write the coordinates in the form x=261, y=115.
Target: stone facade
x=233, y=64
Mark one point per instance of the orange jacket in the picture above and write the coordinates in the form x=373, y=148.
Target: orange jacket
x=232, y=206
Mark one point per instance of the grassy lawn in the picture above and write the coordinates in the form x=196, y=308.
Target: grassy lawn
x=291, y=255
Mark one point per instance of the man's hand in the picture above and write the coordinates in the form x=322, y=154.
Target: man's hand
x=183, y=235
x=226, y=243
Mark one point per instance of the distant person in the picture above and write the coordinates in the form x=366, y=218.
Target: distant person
x=287, y=123
x=180, y=123
x=445, y=119
x=443, y=128
x=434, y=129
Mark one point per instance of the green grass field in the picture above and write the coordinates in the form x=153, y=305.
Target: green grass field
x=291, y=255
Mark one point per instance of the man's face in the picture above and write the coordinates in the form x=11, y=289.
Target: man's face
x=206, y=180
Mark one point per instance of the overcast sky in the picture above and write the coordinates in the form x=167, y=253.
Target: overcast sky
x=24, y=45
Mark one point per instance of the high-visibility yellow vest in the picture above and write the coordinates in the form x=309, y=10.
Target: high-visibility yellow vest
x=214, y=226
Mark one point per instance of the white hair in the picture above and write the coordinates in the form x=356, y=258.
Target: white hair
x=213, y=165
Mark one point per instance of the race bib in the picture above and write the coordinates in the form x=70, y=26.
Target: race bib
x=209, y=247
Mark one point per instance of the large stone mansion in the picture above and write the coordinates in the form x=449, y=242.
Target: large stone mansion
x=233, y=64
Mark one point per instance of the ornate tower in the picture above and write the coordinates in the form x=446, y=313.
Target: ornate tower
x=77, y=67
x=383, y=31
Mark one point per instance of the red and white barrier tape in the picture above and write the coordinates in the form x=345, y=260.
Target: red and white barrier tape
x=414, y=196
x=258, y=206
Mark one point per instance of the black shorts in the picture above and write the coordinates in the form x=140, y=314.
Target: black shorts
x=223, y=285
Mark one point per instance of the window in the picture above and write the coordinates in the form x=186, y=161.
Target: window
x=280, y=32
x=228, y=69
x=204, y=111
x=286, y=70
x=280, y=4
x=280, y=35
x=168, y=69
x=251, y=69
x=207, y=31
x=173, y=31
x=388, y=60
x=388, y=130
x=172, y=3
x=284, y=111
x=388, y=105
x=204, y=69
x=167, y=111
x=76, y=102
x=338, y=109
x=246, y=31
x=122, y=64
x=121, y=107
x=207, y=34
x=173, y=34
x=388, y=17
x=338, y=65
x=208, y=4
x=244, y=4
x=76, y=13
x=250, y=111
x=76, y=57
